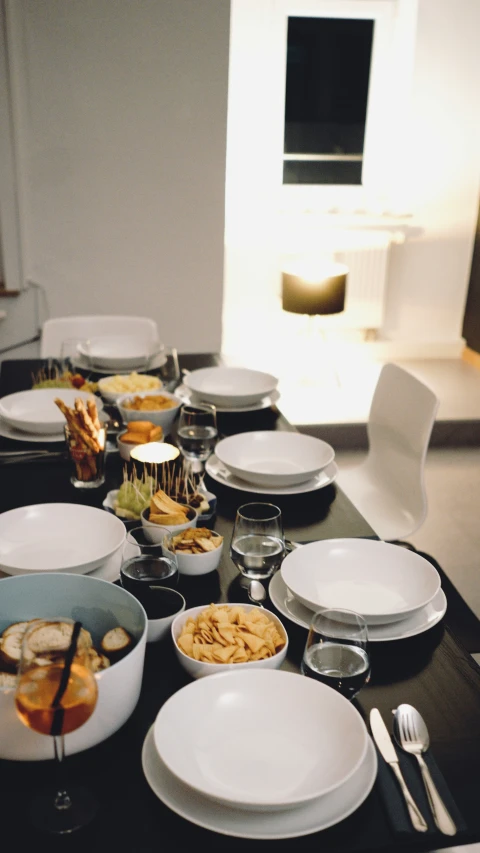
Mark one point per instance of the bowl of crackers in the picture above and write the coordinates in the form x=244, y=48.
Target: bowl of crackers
x=160, y=407
x=220, y=637
x=197, y=550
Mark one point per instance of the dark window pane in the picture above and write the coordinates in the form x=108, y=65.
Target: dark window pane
x=321, y=172
x=328, y=70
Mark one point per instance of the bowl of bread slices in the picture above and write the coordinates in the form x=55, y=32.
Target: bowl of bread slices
x=114, y=630
x=136, y=433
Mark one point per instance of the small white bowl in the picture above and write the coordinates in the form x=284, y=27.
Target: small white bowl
x=230, y=386
x=200, y=669
x=125, y=448
x=155, y=532
x=161, y=417
x=261, y=741
x=197, y=564
x=157, y=628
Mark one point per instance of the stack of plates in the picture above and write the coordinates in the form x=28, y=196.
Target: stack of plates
x=116, y=353
x=61, y=537
x=268, y=462
x=230, y=389
x=260, y=766
x=33, y=416
x=396, y=590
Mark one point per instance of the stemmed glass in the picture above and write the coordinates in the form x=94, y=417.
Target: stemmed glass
x=56, y=693
x=336, y=651
x=169, y=371
x=197, y=433
x=258, y=544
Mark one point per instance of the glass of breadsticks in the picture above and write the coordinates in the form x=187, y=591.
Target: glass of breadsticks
x=86, y=437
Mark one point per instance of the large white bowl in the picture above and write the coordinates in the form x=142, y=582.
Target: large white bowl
x=161, y=417
x=267, y=740
x=230, y=386
x=34, y=411
x=200, y=669
x=100, y=606
x=277, y=459
x=381, y=581
x=58, y=537
x=118, y=352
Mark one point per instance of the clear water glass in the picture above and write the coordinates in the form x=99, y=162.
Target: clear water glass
x=257, y=546
x=336, y=651
x=197, y=431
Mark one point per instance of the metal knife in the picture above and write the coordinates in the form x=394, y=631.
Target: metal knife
x=384, y=742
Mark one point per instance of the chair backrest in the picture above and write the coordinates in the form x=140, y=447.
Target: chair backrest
x=400, y=424
x=58, y=329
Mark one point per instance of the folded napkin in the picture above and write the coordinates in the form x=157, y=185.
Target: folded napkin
x=394, y=802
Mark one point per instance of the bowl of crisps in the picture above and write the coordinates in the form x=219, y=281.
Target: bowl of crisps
x=197, y=550
x=155, y=530
x=113, y=387
x=251, y=637
x=160, y=407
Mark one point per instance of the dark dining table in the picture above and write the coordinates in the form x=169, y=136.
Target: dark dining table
x=433, y=671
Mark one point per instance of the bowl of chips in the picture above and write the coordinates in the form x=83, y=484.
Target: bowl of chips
x=197, y=550
x=154, y=530
x=160, y=407
x=219, y=637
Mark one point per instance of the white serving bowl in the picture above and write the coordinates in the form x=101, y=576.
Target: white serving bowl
x=268, y=741
x=100, y=606
x=34, y=411
x=162, y=417
x=381, y=581
x=124, y=448
x=118, y=352
x=112, y=396
x=197, y=564
x=158, y=628
x=200, y=669
x=58, y=537
x=156, y=532
x=278, y=459
x=230, y=386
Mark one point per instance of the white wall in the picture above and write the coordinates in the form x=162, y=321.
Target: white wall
x=122, y=122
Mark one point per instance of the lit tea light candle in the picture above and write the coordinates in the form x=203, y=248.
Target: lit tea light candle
x=155, y=453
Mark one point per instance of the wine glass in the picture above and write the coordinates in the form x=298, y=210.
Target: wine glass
x=336, y=651
x=197, y=433
x=258, y=544
x=169, y=371
x=70, y=354
x=56, y=693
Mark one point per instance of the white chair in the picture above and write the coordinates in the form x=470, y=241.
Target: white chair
x=58, y=329
x=388, y=486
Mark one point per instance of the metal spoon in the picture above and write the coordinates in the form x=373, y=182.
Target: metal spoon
x=411, y=734
x=257, y=592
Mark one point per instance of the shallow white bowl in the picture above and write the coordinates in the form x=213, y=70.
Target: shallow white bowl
x=267, y=740
x=113, y=396
x=99, y=605
x=277, y=459
x=118, y=352
x=382, y=582
x=230, y=386
x=197, y=564
x=162, y=417
x=124, y=448
x=200, y=669
x=57, y=537
x=34, y=411
x=156, y=532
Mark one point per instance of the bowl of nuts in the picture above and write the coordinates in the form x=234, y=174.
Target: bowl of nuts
x=197, y=550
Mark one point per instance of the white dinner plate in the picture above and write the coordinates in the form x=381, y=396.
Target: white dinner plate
x=291, y=823
x=35, y=411
x=421, y=621
x=118, y=352
x=82, y=363
x=274, y=458
x=188, y=397
x=217, y=472
x=379, y=580
x=7, y=431
x=110, y=570
x=58, y=537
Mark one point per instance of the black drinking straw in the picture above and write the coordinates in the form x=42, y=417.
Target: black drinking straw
x=57, y=722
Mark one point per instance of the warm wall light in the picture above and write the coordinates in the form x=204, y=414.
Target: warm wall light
x=306, y=290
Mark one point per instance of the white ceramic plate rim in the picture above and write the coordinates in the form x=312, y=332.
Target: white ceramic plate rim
x=421, y=621
x=217, y=472
x=187, y=397
x=295, y=579
x=234, y=398
x=320, y=814
x=76, y=567
x=54, y=426
x=251, y=442
x=7, y=431
x=154, y=363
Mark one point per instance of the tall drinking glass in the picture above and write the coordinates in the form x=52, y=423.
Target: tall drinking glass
x=56, y=693
x=336, y=651
x=258, y=545
x=197, y=433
